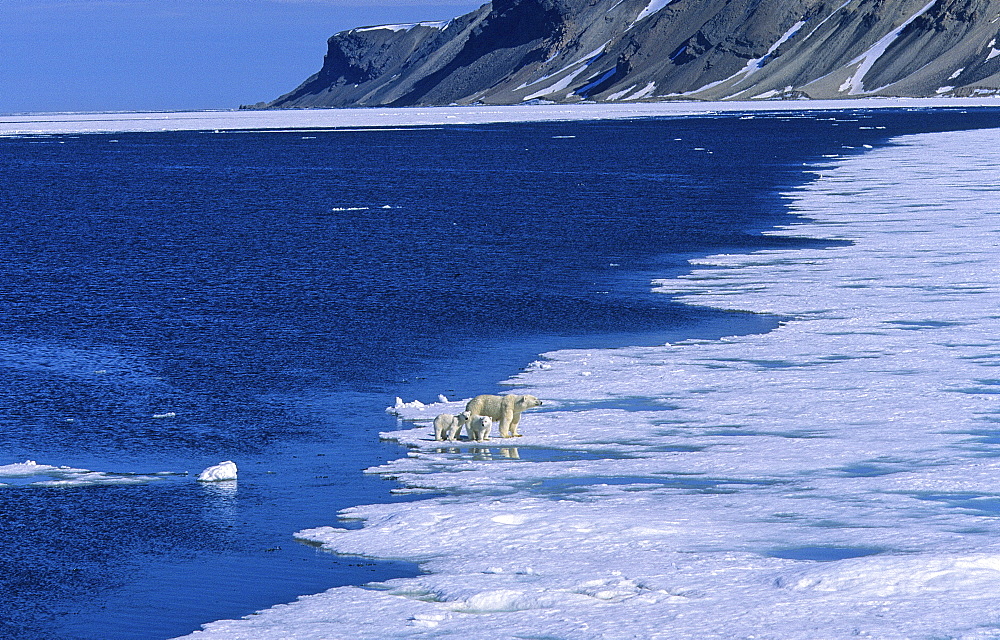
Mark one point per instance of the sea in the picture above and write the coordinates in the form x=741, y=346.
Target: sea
x=171, y=300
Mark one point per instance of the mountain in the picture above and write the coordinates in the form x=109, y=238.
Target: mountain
x=513, y=51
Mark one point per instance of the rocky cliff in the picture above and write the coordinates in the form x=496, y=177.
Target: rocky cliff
x=513, y=51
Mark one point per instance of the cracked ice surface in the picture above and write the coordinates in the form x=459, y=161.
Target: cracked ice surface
x=835, y=478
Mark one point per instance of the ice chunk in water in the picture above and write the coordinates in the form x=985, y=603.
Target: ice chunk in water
x=218, y=473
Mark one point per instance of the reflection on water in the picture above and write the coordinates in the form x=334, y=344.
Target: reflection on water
x=174, y=299
x=220, y=503
x=529, y=454
x=482, y=453
x=822, y=553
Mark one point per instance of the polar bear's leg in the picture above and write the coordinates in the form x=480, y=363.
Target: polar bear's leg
x=462, y=419
x=479, y=428
x=505, y=419
x=473, y=412
x=440, y=427
x=515, y=420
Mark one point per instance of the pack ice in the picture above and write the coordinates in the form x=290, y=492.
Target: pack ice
x=31, y=473
x=834, y=478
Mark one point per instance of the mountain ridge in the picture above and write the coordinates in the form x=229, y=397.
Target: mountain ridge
x=566, y=51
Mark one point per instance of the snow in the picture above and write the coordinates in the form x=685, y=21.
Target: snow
x=993, y=51
x=32, y=474
x=586, y=59
x=404, y=27
x=753, y=65
x=854, y=85
x=756, y=63
x=400, y=404
x=582, y=91
x=619, y=94
x=645, y=92
x=767, y=94
x=283, y=121
x=826, y=19
x=707, y=488
x=24, y=469
x=558, y=85
x=566, y=80
x=651, y=8
x=221, y=472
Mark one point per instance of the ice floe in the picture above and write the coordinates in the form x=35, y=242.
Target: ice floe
x=834, y=478
x=219, y=473
x=284, y=120
x=33, y=474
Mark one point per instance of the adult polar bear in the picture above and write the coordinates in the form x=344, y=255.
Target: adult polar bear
x=505, y=410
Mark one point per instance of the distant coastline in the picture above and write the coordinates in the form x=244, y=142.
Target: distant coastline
x=394, y=117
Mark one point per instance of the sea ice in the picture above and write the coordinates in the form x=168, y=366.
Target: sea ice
x=865, y=424
x=413, y=404
x=30, y=473
x=218, y=473
x=284, y=120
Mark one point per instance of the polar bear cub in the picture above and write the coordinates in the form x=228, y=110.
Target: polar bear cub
x=448, y=427
x=506, y=410
x=479, y=428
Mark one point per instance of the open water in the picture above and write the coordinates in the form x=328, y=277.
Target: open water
x=172, y=300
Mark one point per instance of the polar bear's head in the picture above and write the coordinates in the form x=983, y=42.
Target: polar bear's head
x=528, y=402
x=463, y=417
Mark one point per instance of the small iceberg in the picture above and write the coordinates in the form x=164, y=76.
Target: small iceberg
x=218, y=473
x=30, y=473
x=416, y=404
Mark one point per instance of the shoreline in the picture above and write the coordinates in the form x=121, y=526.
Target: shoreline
x=566, y=552
x=377, y=117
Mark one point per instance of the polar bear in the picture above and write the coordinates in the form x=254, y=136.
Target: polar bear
x=448, y=427
x=479, y=428
x=506, y=410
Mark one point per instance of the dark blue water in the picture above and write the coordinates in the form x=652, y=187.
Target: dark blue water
x=275, y=291
x=824, y=553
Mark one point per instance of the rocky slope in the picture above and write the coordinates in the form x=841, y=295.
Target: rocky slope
x=512, y=51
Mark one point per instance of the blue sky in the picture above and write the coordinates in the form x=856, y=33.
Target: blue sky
x=126, y=55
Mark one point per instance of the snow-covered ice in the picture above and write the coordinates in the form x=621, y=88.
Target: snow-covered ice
x=219, y=473
x=400, y=404
x=306, y=119
x=31, y=473
x=834, y=478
